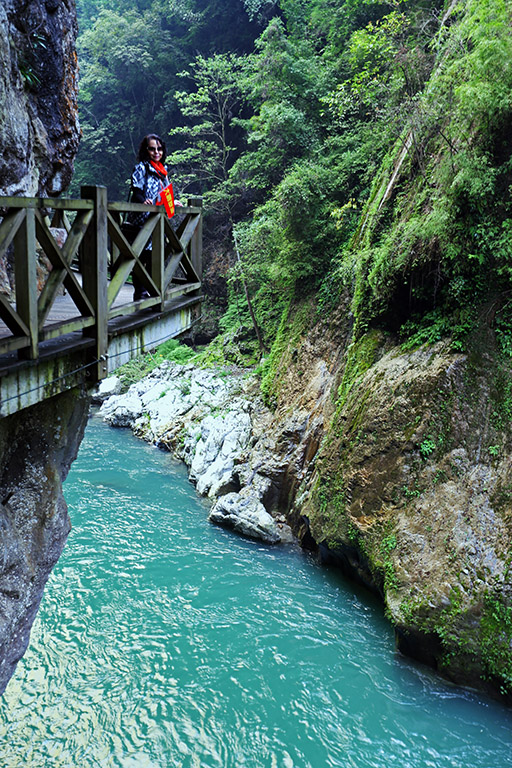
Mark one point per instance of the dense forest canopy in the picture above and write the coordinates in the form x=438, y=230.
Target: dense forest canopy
x=340, y=146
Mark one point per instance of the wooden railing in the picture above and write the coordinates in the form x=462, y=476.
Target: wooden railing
x=94, y=263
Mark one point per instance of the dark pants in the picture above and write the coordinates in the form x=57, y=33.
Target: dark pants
x=139, y=292
x=131, y=231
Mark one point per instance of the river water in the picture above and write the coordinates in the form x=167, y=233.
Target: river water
x=164, y=641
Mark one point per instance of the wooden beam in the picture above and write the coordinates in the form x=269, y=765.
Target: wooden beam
x=128, y=259
x=187, y=229
x=94, y=273
x=173, y=238
x=8, y=228
x=171, y=267
x=136, y=306
x=195, y=248
x=61, y=272
x=11, y=318
x=157, y=259
x=46, y=202
x=143, y=208
x=12, y=344
x=182, y=290
x=180, y=260
x=26, y=281
x=63, y=327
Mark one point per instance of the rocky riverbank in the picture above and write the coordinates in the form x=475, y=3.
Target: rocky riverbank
x=216, y=423
x=395, y=465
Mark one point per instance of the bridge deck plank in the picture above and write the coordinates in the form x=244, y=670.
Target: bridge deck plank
x=64, y=308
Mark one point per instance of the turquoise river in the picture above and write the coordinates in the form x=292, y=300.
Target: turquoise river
x=164, y=641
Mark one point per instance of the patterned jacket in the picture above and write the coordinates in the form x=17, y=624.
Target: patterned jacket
x=146, y=183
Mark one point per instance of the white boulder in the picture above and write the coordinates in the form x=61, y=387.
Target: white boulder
x=245, y=514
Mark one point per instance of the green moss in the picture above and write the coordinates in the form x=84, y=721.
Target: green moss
x=411, y=608
x=360, y=356
x=501, y=414
x=411, y=427
x=295, y=321
x=225, y=351
x=495, y=639
x=382, y=541
x=435, y=231
x=467, y=647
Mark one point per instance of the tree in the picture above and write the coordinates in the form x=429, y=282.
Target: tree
x=213, y=136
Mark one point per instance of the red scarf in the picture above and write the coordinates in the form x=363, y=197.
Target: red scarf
x=159, y=168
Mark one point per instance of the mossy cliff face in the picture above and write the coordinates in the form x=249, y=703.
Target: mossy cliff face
x=410, y=490
x=39, y=130
x=37, y=447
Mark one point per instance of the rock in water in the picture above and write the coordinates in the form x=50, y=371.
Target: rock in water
x=245, y=514
x=106, y=388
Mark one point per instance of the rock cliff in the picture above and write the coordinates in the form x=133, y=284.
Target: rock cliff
x=39, y=129
x=39, y=134
x=402, y=476
x=37, y=447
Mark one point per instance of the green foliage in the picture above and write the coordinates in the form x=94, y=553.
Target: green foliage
x=293, y=324
x=136, y=369
x=212, y=108
x=503, y=329
x=352, y=147
x=29, y=59
x=175, y=352
x=361, y=355
x=130, y=54
x=496, y=638
x=447, y=246
x=384, y=560
x=427, y=447
x=501, y=414
x=436, y=326
x=121, y=95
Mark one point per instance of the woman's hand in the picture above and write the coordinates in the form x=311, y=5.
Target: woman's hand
x=148, y=201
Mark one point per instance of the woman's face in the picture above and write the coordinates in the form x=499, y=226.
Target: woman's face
x=155, y=150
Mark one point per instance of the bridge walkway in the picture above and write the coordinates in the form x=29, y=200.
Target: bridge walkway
x=66, y=328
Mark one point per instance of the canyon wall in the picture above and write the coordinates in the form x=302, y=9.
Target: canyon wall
x=393, y=464
x=37, y=447
x=396, y=465
x=39, y=135
x=39, y=129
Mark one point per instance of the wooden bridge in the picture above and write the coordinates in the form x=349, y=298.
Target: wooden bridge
x=75, y=321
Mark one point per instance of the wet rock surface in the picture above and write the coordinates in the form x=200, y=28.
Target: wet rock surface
x=37, y=447
x=39, y=129
x=245, y=514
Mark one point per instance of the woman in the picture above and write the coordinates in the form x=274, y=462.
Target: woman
x=149, y=177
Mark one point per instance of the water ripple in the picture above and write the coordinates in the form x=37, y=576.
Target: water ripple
x=163, y=641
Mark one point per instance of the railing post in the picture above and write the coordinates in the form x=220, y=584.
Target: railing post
x=25, y=259
x=196, y=243
x=158, y=257
x=94, y=274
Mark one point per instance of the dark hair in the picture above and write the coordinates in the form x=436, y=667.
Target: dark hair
x=143, y=153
